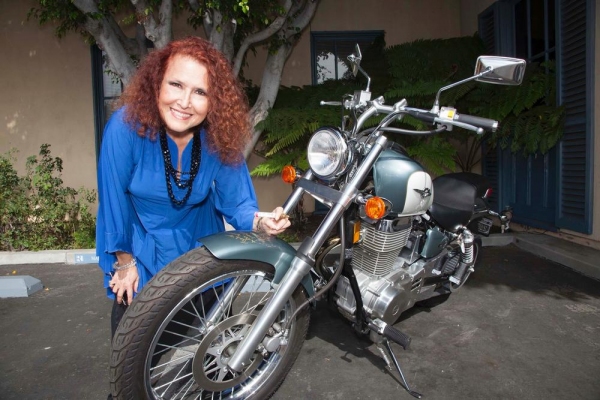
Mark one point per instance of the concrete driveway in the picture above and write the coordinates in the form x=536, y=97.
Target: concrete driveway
x=522, y=327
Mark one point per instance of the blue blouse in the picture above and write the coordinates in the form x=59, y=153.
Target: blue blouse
x=135, y=213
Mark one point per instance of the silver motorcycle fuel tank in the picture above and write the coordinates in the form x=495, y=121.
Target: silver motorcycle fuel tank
x=403, y=181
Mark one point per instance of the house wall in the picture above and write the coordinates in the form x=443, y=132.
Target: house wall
x=46, y=86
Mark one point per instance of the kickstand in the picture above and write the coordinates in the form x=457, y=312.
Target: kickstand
x=397, y=365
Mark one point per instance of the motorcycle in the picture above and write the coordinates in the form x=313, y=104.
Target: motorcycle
x=228, y=319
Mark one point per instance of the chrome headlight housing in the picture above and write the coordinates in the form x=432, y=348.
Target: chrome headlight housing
x=328, y=153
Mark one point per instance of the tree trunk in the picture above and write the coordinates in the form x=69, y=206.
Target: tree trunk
x=269, y=88
x=302, y=13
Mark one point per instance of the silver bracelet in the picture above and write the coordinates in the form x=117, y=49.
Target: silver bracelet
x=118, y=267
x=258, y=228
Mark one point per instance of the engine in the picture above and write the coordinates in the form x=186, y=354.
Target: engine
x=384, y=280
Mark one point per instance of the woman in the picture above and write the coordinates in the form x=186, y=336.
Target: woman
x=171, y=167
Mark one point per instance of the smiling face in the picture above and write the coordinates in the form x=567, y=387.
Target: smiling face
x=183, y=98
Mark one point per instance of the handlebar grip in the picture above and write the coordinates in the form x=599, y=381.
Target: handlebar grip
x=484, y=123
x=423, y=115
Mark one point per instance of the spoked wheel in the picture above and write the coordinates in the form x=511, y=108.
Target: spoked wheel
x=176, y=338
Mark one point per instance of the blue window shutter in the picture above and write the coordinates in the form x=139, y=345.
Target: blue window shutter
x=496, y=29
x=491, y=170
x=575, y=55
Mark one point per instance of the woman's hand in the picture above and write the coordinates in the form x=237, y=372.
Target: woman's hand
x=125, y=282
x=273, y=226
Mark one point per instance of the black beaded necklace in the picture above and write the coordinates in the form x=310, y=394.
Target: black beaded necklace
x=182, y=179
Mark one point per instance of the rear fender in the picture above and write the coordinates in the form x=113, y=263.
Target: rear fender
x=238, y=245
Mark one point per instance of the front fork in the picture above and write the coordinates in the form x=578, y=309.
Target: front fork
x=299, y=268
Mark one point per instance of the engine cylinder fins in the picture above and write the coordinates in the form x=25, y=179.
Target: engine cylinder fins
x=378, y=250
x=373, y=263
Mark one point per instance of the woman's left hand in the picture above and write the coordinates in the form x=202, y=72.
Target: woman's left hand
x=273, y=226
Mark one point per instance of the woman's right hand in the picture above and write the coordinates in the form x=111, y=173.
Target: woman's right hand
x=125, y=283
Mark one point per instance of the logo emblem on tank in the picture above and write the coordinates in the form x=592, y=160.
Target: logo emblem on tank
x=424, y=193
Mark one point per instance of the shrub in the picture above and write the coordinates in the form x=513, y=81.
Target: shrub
x=37, y=212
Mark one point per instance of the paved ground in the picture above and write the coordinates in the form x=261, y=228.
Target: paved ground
x=521, y=328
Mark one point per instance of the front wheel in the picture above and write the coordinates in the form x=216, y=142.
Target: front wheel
x=176, y=338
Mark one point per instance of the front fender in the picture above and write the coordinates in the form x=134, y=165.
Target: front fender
x=242, y=245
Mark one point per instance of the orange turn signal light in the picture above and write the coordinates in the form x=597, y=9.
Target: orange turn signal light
x=288, y=174
x=375, y=208
x=356, y=232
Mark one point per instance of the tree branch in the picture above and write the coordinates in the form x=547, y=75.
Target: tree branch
x=194, y=5
x=303, y=19
x=158, y=32
x=108, y=39
x=216, y=34
x=207, y=23
x=260, y=36
x=165, y=16
x=303, y=11
x=145, y=18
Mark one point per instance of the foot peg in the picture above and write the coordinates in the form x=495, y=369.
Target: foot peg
x=396, y=336
x=390, y=332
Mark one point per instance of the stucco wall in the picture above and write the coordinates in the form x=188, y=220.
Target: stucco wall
x=46, y=94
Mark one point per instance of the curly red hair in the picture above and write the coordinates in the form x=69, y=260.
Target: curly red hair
x=227, y=123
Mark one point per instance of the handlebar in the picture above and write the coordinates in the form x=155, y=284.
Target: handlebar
x=450, y=116
x=446, y=116
x=484, y=123
x=331, y=103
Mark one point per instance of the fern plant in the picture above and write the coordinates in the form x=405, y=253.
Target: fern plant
x=290, y=123
x=530, y=121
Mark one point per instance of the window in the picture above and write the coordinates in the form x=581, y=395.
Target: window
x=330, y=50
x=535, y=32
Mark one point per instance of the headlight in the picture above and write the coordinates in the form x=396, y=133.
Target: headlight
x=328, y=153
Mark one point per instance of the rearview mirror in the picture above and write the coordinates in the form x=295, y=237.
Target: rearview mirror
x=355, y=59
x=500, y=70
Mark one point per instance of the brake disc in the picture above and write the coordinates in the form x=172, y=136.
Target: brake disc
x=210, y=361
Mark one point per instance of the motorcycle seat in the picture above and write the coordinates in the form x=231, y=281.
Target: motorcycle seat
x=454, y=198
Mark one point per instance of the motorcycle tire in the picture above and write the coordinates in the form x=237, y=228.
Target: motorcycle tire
x=175, y=339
